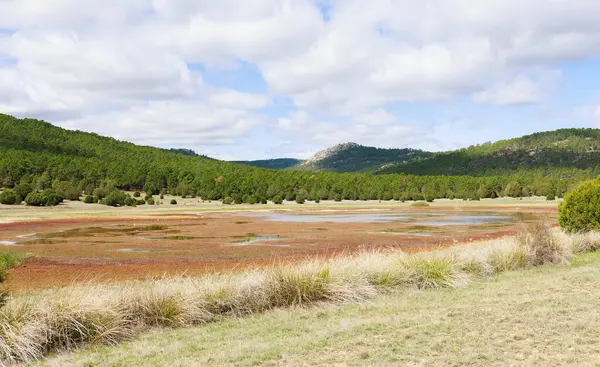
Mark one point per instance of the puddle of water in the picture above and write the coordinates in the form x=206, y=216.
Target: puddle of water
x=334, y=218
x=260, y=241
x=27, y=235
x=130, y=250
x=114, y=230
x=9, y=243
x=461, y=220
x=448, y=218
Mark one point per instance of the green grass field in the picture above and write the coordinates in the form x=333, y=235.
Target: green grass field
x=545, y=316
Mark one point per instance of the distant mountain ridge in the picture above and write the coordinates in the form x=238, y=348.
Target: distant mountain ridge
x=353, y=157
x=573, y=148
x=277, y=163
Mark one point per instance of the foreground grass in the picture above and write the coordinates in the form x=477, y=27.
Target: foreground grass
x=35, y=325
x=548, y=315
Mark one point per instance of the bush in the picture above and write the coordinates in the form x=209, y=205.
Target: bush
x=228, y=200
x=137, y=194
x=429, y=198
x=551, y=197
x=580, y=210
x=23, y=189
x=45, y=198
x=277, y=200
x=129, y=201
x=90, y=199
x=115, y=198
x=173, y=202
x=9, y=197
x=513, y=189
x=300, y=199
x=150, y=201
x=541, y=245
x=250, y=200
x=419, y=204
x=162, y=196
x=317, y=200
x=290, y=196
x=99, y=192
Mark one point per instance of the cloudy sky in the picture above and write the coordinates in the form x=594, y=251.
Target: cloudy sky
x=238, y=79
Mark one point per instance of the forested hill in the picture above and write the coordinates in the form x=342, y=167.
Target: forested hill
x=45, y=157
x=276, y=163
x=562, y=149
x=352, y=157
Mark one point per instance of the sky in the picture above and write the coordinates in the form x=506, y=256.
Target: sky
x=238, y=79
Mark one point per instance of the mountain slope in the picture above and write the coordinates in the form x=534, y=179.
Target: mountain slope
x=352, y=157
x=277, y=163
x=560, y=149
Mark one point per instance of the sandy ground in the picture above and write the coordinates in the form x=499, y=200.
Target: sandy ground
x=76, y=242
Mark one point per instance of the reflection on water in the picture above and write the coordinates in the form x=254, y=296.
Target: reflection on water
x=426, y=219
x=261, y=241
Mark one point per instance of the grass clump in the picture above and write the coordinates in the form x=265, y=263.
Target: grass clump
x=8, y=260
x=419, y=204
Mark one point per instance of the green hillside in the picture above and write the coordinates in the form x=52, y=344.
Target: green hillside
x=277, y=163
x=352, y=157
x=551, y=151
x=44, y=156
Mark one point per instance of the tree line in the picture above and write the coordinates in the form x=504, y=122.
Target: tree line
x=39, y=158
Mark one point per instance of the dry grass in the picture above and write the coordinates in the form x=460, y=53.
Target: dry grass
x=63, y=319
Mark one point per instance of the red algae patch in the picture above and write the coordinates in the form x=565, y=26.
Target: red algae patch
x=107, y=250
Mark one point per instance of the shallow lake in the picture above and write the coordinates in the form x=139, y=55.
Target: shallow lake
x=427, y=219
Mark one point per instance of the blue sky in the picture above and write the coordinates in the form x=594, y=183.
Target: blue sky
x=286, y=78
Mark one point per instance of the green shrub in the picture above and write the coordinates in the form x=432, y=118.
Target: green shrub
x=137, y=194
x=419, y=204
x=250, y=199
x=90, y=199
x=44, y=198
x=8, y=260
x=115, y=198
x=9, y=197
x=551, y=197
x=99, y=192
x=23, y=189
x=317, y=200
x=290, y=196
x=228, y=200
x=173, y=202
x=429, y=198
x=300, y=199
x=277, y=200
x=150, y=201
x=580, y=210
x=129, y=201
x=162, y=196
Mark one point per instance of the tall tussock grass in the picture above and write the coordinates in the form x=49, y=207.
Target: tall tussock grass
x=66, y=318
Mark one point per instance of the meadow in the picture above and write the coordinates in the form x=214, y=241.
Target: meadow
x=405, y=300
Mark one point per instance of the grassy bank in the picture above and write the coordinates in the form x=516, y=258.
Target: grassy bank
x=545, y=316
x=63, y=319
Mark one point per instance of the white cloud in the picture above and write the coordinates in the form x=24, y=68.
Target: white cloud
x=80, y=61
x=521, y=90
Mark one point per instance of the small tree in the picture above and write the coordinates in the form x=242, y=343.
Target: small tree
x=513, y=189
x=115, y=198
x=137, y=194
x=89, y=199
x=173, y=202
x=9, y=197
x=580, y=210
x=23, y=189
x=300, y=199
x=277, y=200
x=150, y=200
